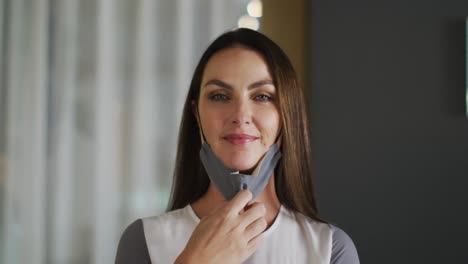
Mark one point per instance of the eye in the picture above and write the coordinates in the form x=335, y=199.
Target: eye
x=263, y=98
x=219, y=97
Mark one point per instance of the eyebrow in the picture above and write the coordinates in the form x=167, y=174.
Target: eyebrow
x=228, y=86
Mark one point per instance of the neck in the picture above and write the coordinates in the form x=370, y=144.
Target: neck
x=213, y=199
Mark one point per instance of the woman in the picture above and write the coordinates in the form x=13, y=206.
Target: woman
x=243, y=189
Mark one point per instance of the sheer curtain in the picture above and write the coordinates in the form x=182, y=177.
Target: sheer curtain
x=91, y=95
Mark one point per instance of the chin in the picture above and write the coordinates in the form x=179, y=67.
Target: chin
x=241, y=163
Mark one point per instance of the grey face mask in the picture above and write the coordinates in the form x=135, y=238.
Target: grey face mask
x=229, y=182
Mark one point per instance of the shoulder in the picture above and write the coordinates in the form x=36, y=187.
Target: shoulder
x=173, y=220
x=167, y=234
x=307, y=225
x=132, y=245
x=343, y=249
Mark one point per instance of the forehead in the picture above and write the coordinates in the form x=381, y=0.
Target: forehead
x=236, y=63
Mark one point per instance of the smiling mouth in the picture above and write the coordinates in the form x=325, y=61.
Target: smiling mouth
x=240, y=139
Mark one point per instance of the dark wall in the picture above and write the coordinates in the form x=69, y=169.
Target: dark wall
x=389, y=131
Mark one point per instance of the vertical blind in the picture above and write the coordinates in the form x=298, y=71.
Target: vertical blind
x=91, y=95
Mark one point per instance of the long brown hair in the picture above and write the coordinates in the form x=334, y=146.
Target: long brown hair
x=293, y=174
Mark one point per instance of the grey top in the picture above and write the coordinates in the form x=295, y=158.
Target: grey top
x=132, y=246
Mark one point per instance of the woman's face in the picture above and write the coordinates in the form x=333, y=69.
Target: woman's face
x=238, y=108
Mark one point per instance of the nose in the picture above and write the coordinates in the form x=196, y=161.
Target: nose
x=242, y=114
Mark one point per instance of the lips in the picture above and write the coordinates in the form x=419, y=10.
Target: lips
x=240, y=139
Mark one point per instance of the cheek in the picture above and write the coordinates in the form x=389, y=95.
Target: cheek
x=269, y=122
x=211, y=121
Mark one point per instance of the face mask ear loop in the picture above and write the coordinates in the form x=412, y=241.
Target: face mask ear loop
x=278, y=145
x=203, y=139
x=278, y=138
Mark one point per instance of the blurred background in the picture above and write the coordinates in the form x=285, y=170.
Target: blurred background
x=91, y=94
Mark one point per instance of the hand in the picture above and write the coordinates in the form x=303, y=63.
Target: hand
x=229, y=235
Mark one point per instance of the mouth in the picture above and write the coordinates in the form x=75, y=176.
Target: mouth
x=240, y=139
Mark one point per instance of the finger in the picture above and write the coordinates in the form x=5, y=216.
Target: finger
x=255, y=228
x=255, y=211
x=254, y=244
x=240, y=201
